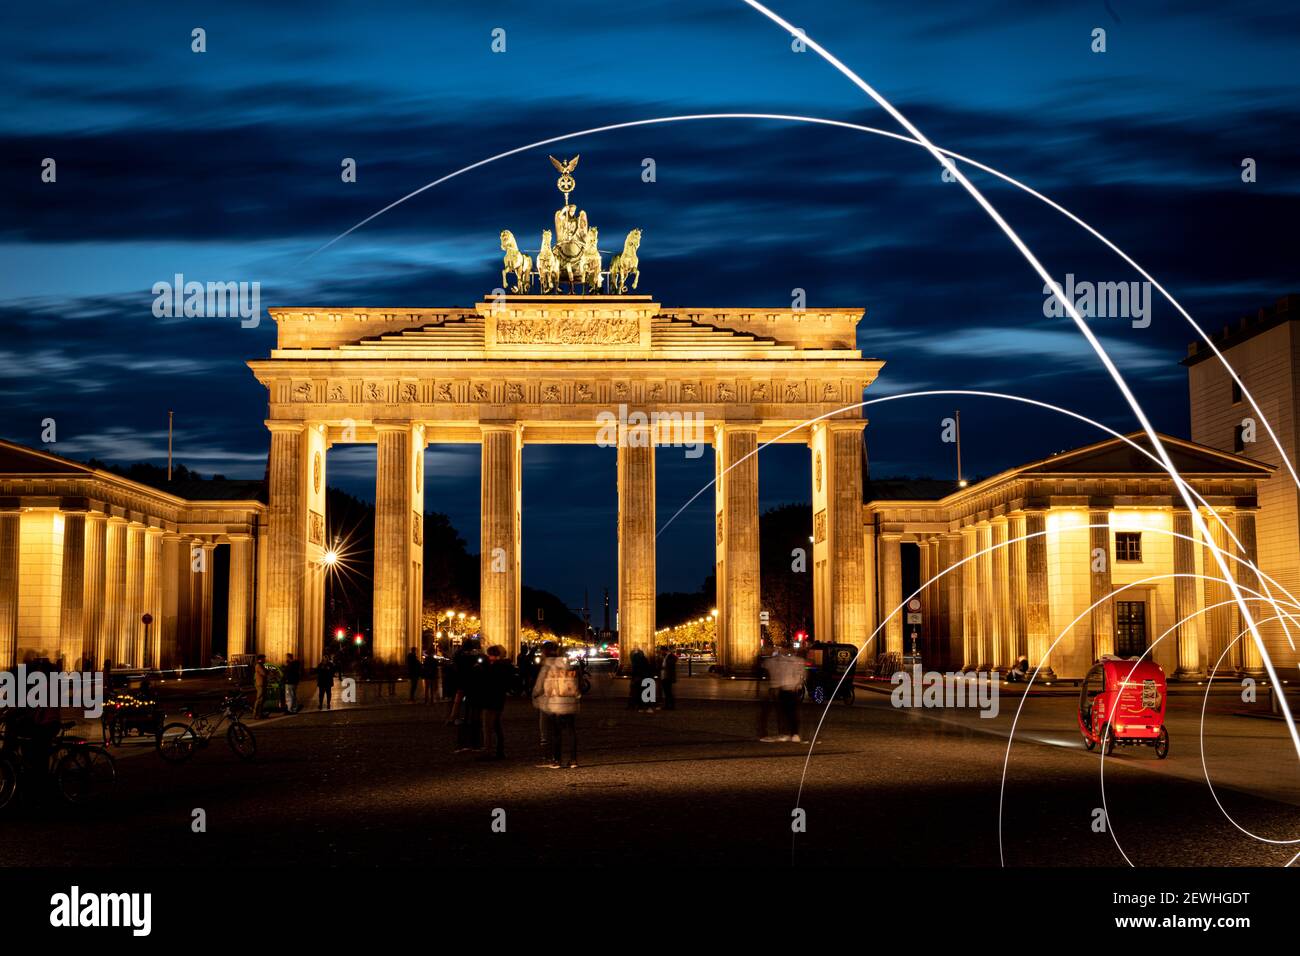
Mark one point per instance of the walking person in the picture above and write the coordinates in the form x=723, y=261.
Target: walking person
x=498, y=676
x=292, y=675
x=413, y=671
x=557, y=697
x=324, y=685
x=668, y=677
x=787, y=672
x=429, y=671
x=260, y=675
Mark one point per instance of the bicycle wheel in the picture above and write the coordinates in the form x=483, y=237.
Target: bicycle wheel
x=84, y=773
x=241, y=741
x=8, y=782
x=176, y=743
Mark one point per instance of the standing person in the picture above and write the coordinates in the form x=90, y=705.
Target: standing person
x=668, y=677
x=497, y=678
x=641, y=673
x=292, y=675
x=765, y=690
x=557, y=697
x=413, y=671
x=470, y=665
x=429, y=671
x=324, y=684
x=787, y=674
x=260, y=675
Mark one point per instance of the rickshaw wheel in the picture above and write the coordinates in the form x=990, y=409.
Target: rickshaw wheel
x=819, y=694
x=1108, y=736
x=1162, y=744
x=1088, y=742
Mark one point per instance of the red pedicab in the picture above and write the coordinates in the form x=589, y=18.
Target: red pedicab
x=1122, y=701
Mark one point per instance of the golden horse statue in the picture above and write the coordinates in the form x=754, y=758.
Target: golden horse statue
x=548, y=266
x=591, y=261
x=624, y=265
x=515, y=262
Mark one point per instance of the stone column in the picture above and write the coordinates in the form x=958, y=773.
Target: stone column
x=92, y=605
x=130, y=636
x=9, y=538
x=153, y=595
x=935, y=612
x=984, y=600
x=1016, y=629
x=950, y=546
x=870, y=558
x=1247, y=550
x=1038, y=607
x=287, y=540
x=174, y=560
x=114, y=593
x=970, y=600
x=72, y=592
x=184, y=604
x=1100, y=556
x=500, y=486
x=205, y=606
x=636, y=543
x=1000, y=632
x=1186, y=599
x=1220, y=618
x=837, y=532
x=927, y=602
x=396, y=525
x=240, y=597
x=891, y=590
x=739, y=600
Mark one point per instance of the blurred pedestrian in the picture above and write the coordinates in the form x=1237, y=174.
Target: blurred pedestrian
x=260, y=675
x=498, y=676
x=787, y=675
x=429, y=672
x=668, y=678
x=413, y=671
x=292, y=675
x=470, y=665
x=557, y=697
x=641, y=695
x=324, y=684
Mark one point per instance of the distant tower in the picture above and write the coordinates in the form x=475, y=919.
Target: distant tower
x=1264, y=350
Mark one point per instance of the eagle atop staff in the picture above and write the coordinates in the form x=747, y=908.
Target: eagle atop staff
x=566, y=166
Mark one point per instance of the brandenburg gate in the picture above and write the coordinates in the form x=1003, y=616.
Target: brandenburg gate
x=580, y=360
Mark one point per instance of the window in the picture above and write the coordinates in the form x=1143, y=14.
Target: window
x=1239, y=438
x=1236, y=393
x=1128, y=545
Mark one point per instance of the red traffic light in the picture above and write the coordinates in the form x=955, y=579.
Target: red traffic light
x=340, y=634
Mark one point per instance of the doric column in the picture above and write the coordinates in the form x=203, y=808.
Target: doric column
x=1000, y=630
x=927, y=602
x=114, y=592
x=934, y=607
x=891, y=590
x=837, y=508
x=398, y=533
x=950, y=548
x=240, y=597
x=130, y=634
x=501, y=498
x=205, y=605
x=1220, y=618
x=184, y=603
x=970, y=600
x=92, y=605
x=153, y=596
x=984, y=600
x=175, y=561
x=1038, y=607
x=1187, y=603
x=72, y=591
x=1016, y=629
x=193, y=653
x=870, y=558
x=9, y=537
x=636, y=542
x=287, y=534
x=1244, y=529
x=737, y=554
x=1100, y=556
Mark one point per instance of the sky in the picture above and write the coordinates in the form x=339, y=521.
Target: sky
x=225, y=166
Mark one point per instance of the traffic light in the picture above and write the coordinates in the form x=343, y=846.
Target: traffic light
x=340, y=635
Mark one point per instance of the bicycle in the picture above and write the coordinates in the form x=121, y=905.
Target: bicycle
x=176, y=742
x=78, y=770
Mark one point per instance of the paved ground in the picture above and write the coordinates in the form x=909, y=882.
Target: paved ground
x=377, y=783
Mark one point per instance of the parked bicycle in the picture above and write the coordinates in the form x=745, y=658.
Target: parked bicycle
x=176, y=742
x=76, y=769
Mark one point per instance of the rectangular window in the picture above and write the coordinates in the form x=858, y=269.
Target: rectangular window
x=1239, y=438
x=1128, y=545
x=1236, y=394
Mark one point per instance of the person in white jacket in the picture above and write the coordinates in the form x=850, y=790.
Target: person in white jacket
x=557, y=697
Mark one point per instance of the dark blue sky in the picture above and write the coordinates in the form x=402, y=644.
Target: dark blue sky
x=224, y=166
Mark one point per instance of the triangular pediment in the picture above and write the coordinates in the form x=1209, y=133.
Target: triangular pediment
x=1116, y=457
x=18, y=460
